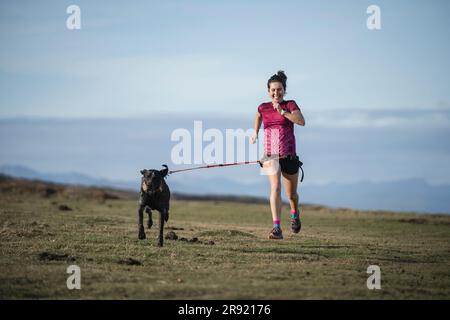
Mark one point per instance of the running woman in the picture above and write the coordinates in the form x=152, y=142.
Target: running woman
x=279, y=117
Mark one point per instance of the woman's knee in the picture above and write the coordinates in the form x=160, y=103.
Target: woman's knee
x=292, y=196
x=276, y=189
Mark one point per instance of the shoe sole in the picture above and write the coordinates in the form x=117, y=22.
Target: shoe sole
x=274, y=238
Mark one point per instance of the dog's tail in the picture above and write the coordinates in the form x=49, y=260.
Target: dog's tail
x=165, y=171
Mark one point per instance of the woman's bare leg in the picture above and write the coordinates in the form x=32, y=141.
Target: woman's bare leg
x=290, y=185
x=275, y=188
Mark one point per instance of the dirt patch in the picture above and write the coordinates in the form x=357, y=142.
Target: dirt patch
x=50, y=256
x=415, y=220
x=171, y=235
x=192, y=240
x=64, y=207
x=130, y=262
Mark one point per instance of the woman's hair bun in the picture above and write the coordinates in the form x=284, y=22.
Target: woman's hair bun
x=282, y=75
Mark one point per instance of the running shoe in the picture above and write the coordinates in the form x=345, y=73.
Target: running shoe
x=276, y=233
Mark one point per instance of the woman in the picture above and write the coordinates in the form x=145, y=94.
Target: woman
x=279, y=117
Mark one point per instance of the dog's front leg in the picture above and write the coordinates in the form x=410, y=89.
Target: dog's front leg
x=150, y=220
x=161, y=227
x=141, y=234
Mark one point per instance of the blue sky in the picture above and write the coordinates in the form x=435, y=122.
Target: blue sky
x=214, y=57
x=376, y=103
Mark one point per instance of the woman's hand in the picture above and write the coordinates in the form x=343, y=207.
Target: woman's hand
x=253, y=138
x=258, y=120
x=277, y=107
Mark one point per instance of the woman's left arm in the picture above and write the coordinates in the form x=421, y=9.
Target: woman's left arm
x=295, y=116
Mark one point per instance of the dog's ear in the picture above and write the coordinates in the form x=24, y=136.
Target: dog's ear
x=165, y=171
x=143, y=171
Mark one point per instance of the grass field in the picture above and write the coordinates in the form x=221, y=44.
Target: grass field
x=233, y=258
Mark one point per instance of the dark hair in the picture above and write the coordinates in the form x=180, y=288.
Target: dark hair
x=279, y=77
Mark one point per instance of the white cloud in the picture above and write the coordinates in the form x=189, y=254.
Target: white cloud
x=360, y=118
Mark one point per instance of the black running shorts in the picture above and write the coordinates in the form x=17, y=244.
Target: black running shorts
x=290, y=164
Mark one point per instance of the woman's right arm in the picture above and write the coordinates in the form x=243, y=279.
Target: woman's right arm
x=258, y=120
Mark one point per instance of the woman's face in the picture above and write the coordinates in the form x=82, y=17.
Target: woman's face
x=276, y=91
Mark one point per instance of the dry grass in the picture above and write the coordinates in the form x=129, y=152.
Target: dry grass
x=233, y=258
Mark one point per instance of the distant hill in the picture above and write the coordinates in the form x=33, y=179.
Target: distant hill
x=74, y=178
x=47, y=189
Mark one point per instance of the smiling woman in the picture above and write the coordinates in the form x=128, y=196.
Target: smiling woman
x=279, y=117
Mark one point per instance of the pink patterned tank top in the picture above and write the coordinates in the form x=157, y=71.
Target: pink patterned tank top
x=279, y=136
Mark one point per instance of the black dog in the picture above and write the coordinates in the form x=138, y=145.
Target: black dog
x=155, y=195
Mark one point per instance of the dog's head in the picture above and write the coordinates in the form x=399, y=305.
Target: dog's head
x=152, y=180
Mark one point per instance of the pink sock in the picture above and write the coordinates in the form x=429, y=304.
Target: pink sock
x=295, y=214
